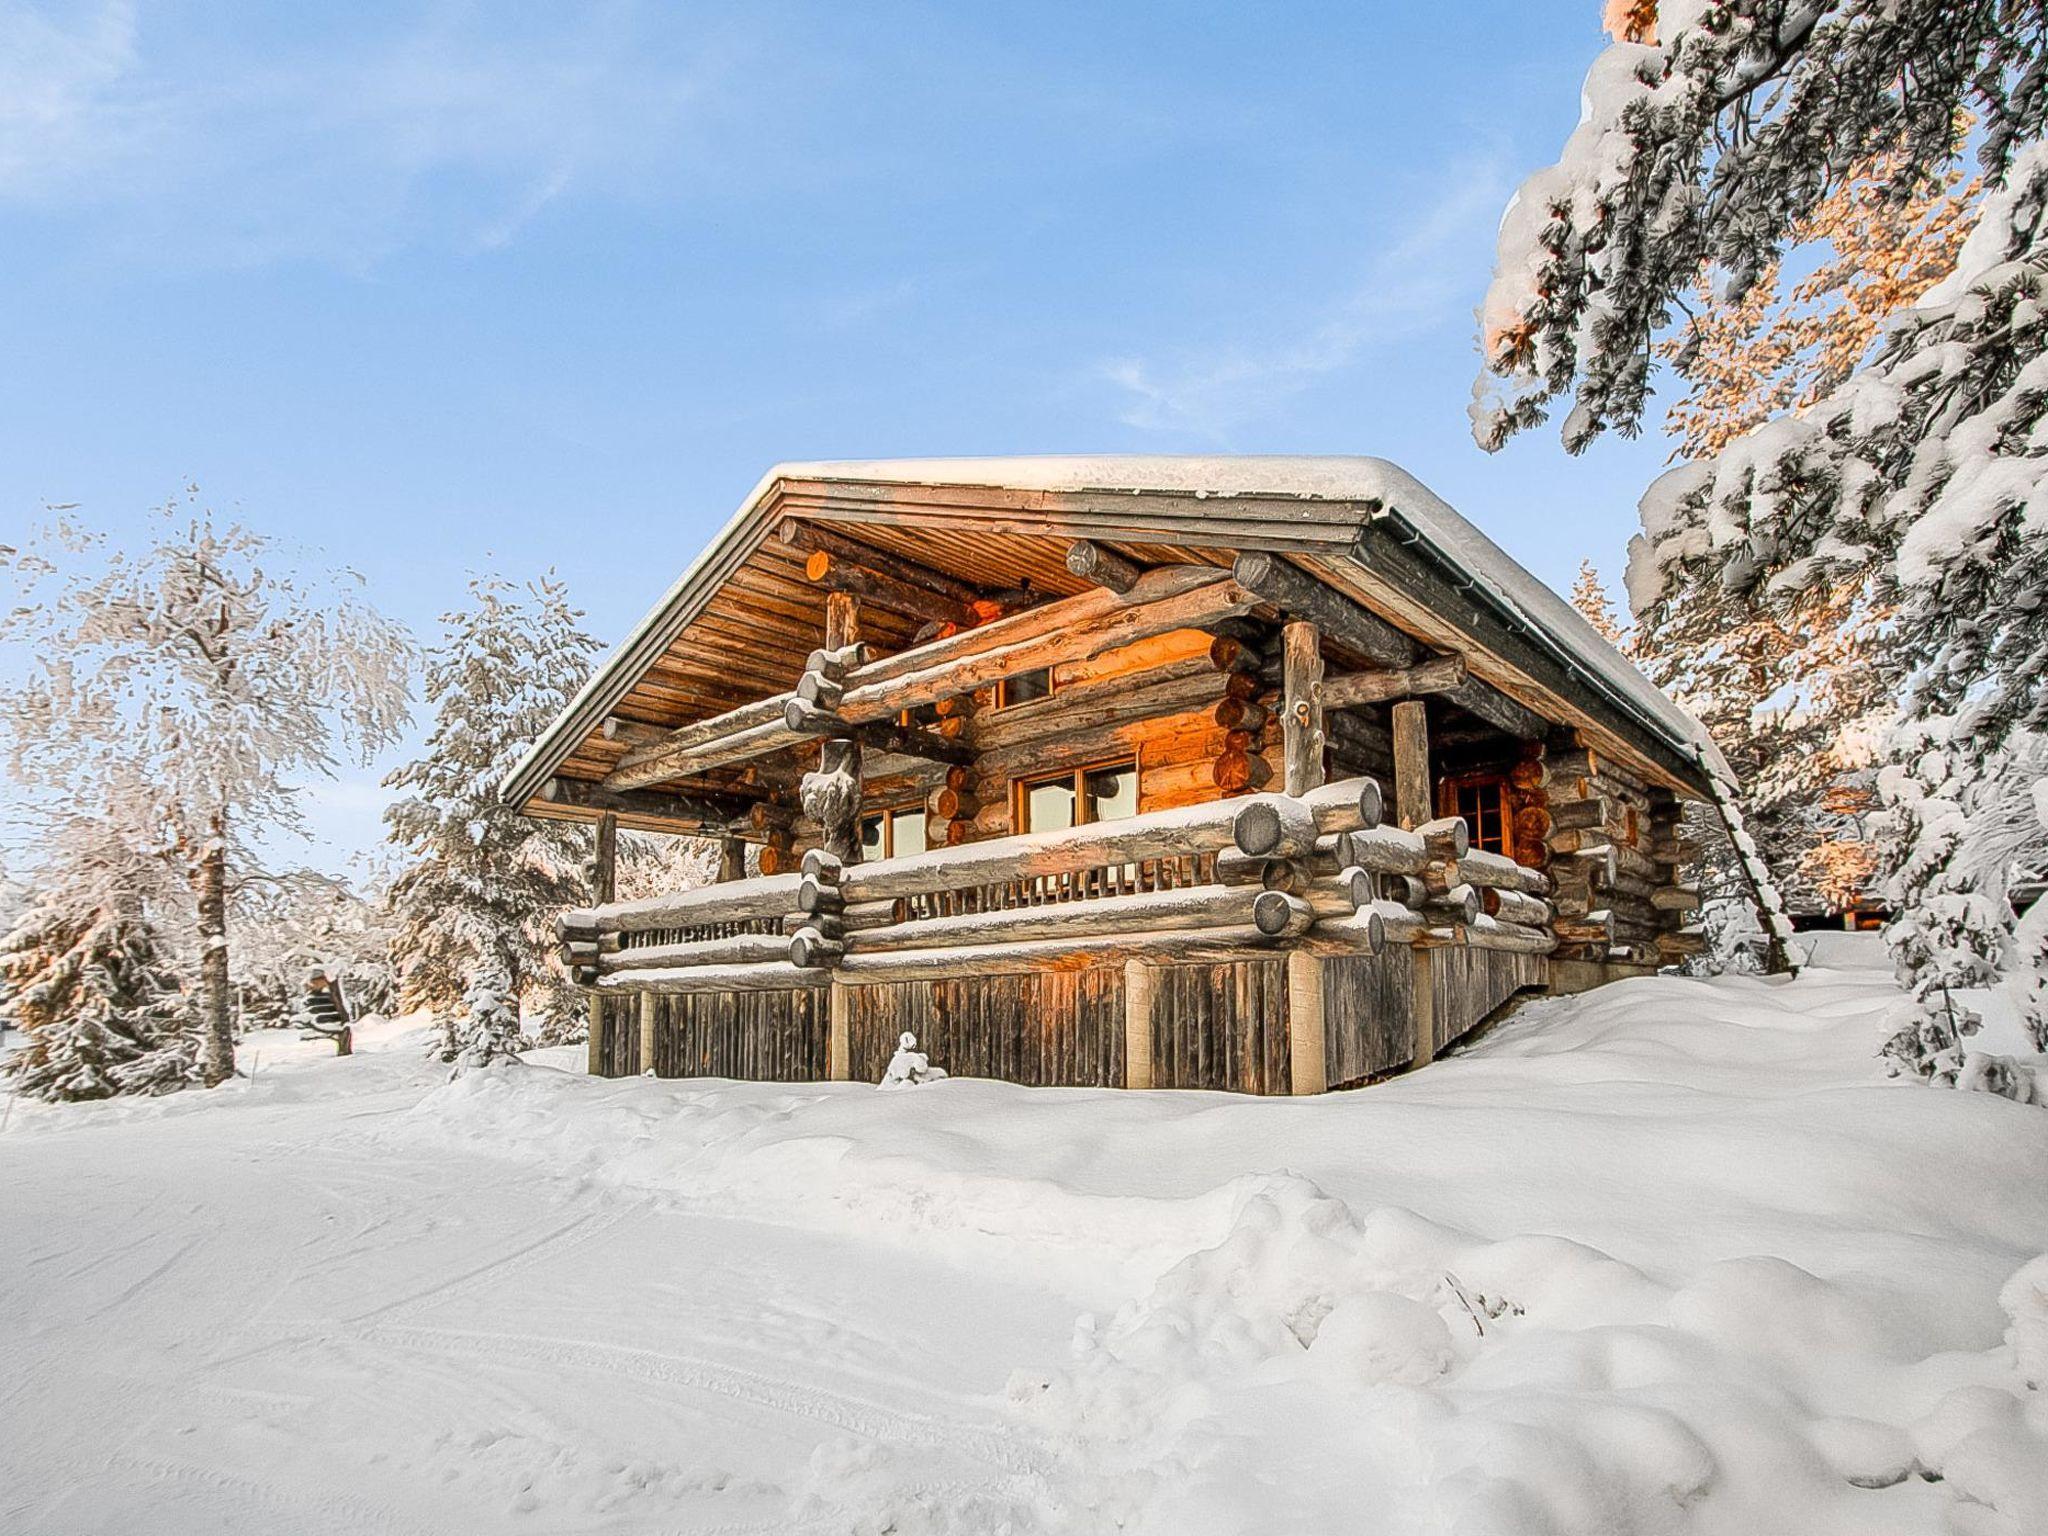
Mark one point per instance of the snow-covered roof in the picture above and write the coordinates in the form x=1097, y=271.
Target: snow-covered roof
x=1353, y=486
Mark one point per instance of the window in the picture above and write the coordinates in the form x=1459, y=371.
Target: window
x=1103, y=793
x=1483, y=802
x=892, y=833
x=1024, y=687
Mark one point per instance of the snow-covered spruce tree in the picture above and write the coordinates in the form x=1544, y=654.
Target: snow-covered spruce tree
x=1909, y=484
x=478, y=884
x=85, y=977
x=180, y=692
x=484, y=1027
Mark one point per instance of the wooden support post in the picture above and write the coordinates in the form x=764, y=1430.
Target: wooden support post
x=1302, y=723
x=1423, y=969
x=604, y=889
x=831, y=796
x=1141, y=985
x=1411, y=764
x=647, y=1006
x=1307, y=1071
x=838, y=1032
x=732, y=860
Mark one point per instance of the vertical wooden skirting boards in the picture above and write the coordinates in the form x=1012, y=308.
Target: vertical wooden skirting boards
x=1307, y=1070
x=1424, y=1008
x=604, y=887
x=1141, y=982
x=838, y=1032
x=647, y=1001
x=1411, y=765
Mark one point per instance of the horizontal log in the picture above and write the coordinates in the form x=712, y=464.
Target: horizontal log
x=1512, y=938
x=813, y=946
x=1352, y=690
x=1404, y=925
x=876, y=735
x=1499, y=873
x=813, y=538
x=1363, y=932
x=1203, y=906
x=732, y=737
x=1388, y=851
x=1185, y=830
x=1580, y=815
x=736, y=949
x=1209, y=946
x=1681, y=942
x=1356, y=628
x=1675, y=898
x=730, y=901
x=769, y=976
x=870, y=585
x=1103, y=566
x=693, y=814
x=1284, y=826
x=1515, y=907
x=1170, y=598
x=1459, y=904
x=1446, y=838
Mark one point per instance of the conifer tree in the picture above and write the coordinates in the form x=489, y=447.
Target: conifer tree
x=478, y=883
x=1904, y=489
x=84, y=975
x=484, y=1028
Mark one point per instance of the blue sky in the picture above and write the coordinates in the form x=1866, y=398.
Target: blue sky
x=447, y=288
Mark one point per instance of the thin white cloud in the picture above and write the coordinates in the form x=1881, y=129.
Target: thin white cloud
x=455, y=128
x=1411, y=285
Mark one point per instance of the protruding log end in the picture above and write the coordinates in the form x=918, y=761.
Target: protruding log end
x=822, y=866
x=808, y=947
x=815, y=895
x=1446, y=838
x=1277, y=914
x=1276, y=826
x=1371, y=803
x=1104, y=567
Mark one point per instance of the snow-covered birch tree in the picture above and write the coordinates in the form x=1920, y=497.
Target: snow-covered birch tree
x=478, y=884
x=180, y=691
x=1910, y=487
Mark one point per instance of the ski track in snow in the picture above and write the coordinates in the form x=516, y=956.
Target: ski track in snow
x=350, y=1298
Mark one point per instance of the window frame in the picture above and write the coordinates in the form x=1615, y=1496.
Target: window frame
x=1495, y=779
x=1077, y=778
x=1003, y=699
x=887, y=815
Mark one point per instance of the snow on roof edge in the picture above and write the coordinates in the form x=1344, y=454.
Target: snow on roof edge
x=1330, y=477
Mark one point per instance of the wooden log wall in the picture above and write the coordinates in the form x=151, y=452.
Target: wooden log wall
x=1615, y=860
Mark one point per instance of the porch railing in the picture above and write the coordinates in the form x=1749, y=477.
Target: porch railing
x=1220, y=881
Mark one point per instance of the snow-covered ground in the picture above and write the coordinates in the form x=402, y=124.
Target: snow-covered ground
x=1671, y=1257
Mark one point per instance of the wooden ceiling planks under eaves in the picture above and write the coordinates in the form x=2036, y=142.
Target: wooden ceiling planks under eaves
x=753, y=616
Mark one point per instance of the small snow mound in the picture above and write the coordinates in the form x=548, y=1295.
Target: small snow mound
x=2025, y=1300
x=1377, y=1336
x=909, y=1067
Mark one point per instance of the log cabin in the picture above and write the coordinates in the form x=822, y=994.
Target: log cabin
x=1260, y=774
